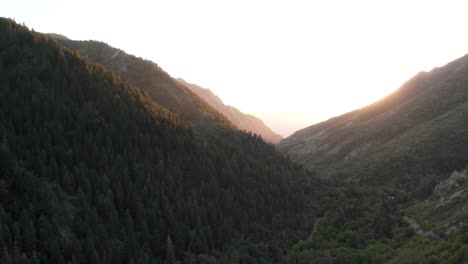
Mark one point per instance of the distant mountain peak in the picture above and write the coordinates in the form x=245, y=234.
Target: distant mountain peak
x=243, y=121
x=57, y=36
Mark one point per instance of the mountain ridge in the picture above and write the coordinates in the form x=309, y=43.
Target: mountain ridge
x=346, y=137
x=243, y=121
x=411, y=147
x=152, y=79
x=118, y=61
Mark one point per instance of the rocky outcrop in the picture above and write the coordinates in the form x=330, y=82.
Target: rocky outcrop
x=447, y=191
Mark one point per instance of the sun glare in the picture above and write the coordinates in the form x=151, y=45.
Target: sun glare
x=281, y=60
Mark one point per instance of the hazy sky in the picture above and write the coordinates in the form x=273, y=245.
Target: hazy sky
x=292, y=63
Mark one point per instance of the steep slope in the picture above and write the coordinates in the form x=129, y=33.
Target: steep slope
x=242, y=121
x=421, y=216
x=93, y=171
x=422, y=154
x=148, y=76
x=440, y=224
x=429, y=104
x=403, y=154
x=372, y=225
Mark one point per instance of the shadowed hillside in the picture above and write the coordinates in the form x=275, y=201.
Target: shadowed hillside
x=149, y=77
x=94, y=171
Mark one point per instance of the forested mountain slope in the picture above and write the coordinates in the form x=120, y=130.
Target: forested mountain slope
x=411, y=147
x=93, y=171
x=242, y=121
x=421, y=214
x=149, y=77
x=440, y=224
x=422, y=127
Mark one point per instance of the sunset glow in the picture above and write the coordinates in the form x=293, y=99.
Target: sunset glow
x=291, y=63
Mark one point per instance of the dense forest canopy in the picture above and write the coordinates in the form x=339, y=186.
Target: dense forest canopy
x=94, y=171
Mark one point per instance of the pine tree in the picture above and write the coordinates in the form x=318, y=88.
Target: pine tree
x=170, y=253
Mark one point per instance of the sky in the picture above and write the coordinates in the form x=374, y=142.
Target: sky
x=292, y=63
